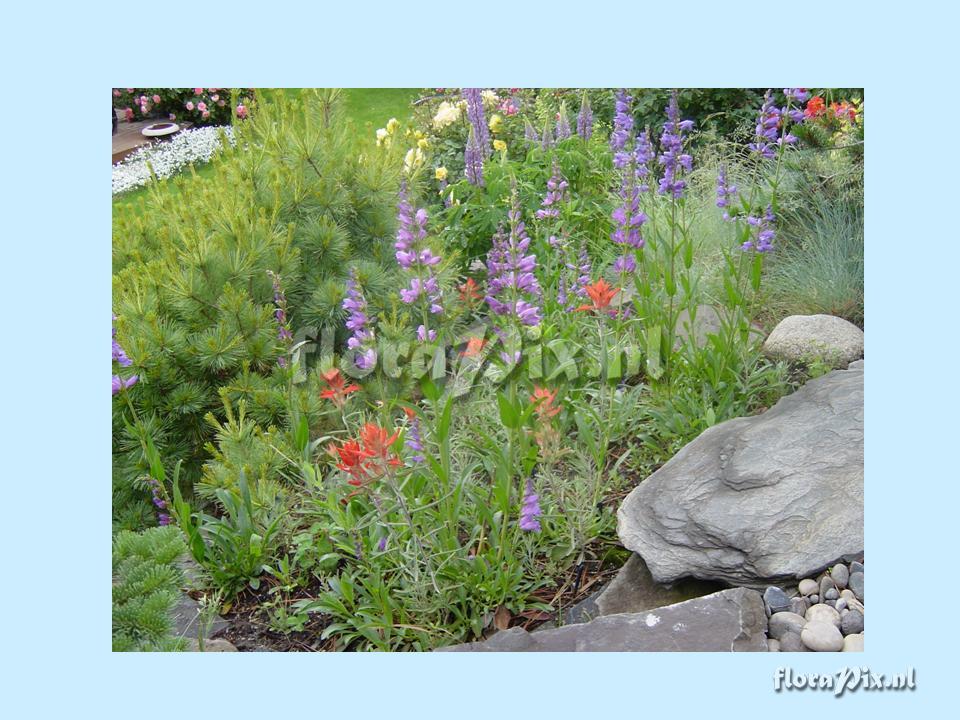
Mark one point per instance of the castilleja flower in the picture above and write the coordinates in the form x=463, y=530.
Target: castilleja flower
x=367, y=458
x=470, y=292
x=601, y=294
x=544, y=398
x=474, y=346
x=337, y=389
x=376, y=443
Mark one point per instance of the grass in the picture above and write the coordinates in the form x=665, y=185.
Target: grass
x=366, y=108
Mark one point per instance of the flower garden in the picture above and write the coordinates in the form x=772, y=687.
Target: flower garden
x=408, y=386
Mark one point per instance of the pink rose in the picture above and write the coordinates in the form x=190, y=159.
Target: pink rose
x=214, y=97
x=198, y=91
x=241, y=111
x=190, y=106
x=205, y=114
x=116, y=93
x=156, y=98
x=129, y=90
x=202, y=106
x=221, y=103
x=213, y=89
x=128, y=114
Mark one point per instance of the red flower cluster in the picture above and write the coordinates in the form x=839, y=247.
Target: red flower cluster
x=816, y=107
x=367, y=458
x=601, y=294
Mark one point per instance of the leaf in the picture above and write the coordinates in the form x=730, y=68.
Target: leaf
x=508, y=413
x=653, y=352
x=535, y=615
x=501, y=618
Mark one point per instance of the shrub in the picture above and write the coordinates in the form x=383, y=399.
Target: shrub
x=201, y=106
x=146, y=585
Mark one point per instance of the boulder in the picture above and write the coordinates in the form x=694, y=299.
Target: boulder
x=807, y=338
x=761, y=500
x=729, y=620
x=634, y=590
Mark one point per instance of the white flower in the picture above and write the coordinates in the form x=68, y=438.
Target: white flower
x=490, y=99
x=196, y=145
x=446, y=115
x=412, y=160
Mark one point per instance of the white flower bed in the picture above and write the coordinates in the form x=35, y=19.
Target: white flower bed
x=196, y=145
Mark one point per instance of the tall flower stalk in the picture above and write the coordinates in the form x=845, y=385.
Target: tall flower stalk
x=585, y=118
x=362, y=341
x=284, y=335
x=415, y=256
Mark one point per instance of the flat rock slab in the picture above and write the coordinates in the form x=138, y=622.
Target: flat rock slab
x=761, y=500
x=634, y=590
x=806, y=338
x=729, y=620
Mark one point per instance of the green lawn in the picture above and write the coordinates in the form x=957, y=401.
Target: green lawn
x=367, y=108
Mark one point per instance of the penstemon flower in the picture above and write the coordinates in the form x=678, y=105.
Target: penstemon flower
x=765, y=233
x=622, y=129
x=416, y=257
x=280, y=315
x=530, y=133
x=725, y=191
x=530, y=510
x=362, y=339
x=672, y=157
x=120, y=357
x=512, y=287
x=643, y=155
x=556, y=195
x=413, y=440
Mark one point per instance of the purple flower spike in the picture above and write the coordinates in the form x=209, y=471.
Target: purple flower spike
x=622, y=128
x=362, y=341
x=672, y=157
x=530, y=510
x=585, y=119
x=512, y=287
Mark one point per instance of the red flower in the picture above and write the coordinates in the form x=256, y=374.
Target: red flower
x=601, y=293
x=544, y=400
x=337, y=389
x=376, y=446
x=815, y=107
x=469, y=292
x=352, y=460
x=474, y=346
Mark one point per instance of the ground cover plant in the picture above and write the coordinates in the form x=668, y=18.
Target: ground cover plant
x=391, y=391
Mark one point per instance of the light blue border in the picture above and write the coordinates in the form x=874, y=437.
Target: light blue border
x=56, y=476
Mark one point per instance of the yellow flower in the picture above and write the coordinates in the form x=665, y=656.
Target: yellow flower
x=441, y=173
x=490, y=98
x=382, y=137
x=392, y=125
x=418, y=134
x=495, y=122
x=499, y=146
x=423, y=144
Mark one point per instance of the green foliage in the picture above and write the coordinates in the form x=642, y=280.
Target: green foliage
x=146, y=584
x=191, y=290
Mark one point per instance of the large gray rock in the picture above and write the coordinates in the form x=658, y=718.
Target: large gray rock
x=805, y=338
x=634, y=590
x=761, y=500
x=730, y=620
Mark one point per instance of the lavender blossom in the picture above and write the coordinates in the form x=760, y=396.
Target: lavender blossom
x=622, y=129
x=765, y=232
x=473, y=159
x=643, y=155
x=119, y=356
x=672, y=157
x=585, y=270
x=771, y=126
x=585, y=118
x=512, y=287
x=416, y=257
x=362, y=340
x=796, y=95
x=530, y=510
x=414, y=441
x=725, y=191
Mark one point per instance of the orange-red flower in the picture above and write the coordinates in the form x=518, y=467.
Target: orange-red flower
x=544, y=398
x=601, y=293
x=352, y=460
x=337, y=389
x=376, y=445
x=469, y=292
x=815, y=107
x=367, y=458
x=474, y=346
